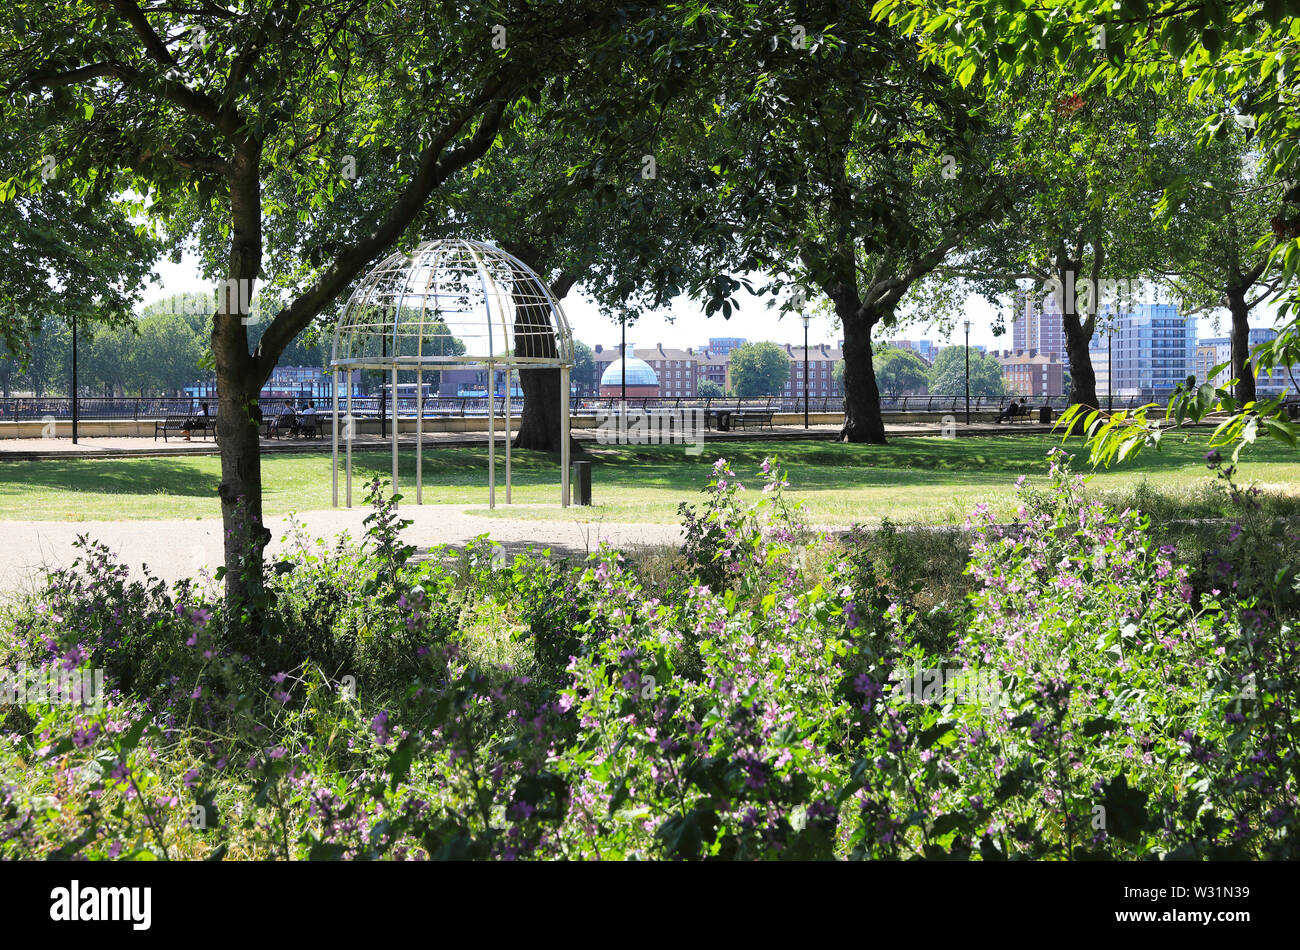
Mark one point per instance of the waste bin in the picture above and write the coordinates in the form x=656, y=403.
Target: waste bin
x=581, y=483
x=1045, y=414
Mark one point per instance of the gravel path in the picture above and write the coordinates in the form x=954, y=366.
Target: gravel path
x=176, y=549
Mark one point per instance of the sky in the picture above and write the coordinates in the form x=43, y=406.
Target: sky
x=684, y=324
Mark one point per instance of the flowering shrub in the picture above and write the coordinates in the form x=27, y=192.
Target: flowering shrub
x=779, y=697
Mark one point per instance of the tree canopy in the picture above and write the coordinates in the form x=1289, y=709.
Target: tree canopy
x=759, y=369
x=948, y=374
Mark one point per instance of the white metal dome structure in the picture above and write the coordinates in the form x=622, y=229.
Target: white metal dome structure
x=451, y=305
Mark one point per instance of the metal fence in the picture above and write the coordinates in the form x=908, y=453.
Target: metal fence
x=145, y=408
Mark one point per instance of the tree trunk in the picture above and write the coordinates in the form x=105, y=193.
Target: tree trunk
x=1242, y=369
x=1077, y=329
x=1083, y=381
x=539, y=424
x=862, y=420
x=241, y=499
x=239, y=380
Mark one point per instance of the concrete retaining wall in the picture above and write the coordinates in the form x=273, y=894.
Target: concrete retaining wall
x=125, y=428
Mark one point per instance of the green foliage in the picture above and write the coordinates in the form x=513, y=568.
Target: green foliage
x=584, y=366
x=897, y=371
x=948, y=374
x=1081, y=694
x=759, y=369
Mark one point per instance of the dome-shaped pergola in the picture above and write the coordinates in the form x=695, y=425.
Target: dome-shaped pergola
x=452, y=305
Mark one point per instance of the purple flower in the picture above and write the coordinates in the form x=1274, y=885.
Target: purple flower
x=379, y=725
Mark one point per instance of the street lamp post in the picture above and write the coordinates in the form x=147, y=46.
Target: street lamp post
x=967, y=325
x=807, y=319
x=623, y=355
x=1110, y=366
x=75, y=414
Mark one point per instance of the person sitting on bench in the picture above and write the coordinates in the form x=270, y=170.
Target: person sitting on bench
x=1010, y=412
x=286, y=420
x=195, y=422
x=307, y=419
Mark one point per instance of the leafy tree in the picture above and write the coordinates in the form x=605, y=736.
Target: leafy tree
x=948, y=374
x=899, y=371
x=708, y=389
x=1215, y=213
x=240, y=129
x=584, y=367
x=841, y=179
x=1084, y=234
x=64, y=256
x=1238, y=60
x=759, y=369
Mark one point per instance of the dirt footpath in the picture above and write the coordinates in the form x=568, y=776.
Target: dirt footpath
x=176, y=549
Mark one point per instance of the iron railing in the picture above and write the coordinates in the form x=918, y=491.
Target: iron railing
x=150, y=408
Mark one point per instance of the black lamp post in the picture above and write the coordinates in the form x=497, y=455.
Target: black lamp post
x=75, y=414
x=623, y=353
x=807, y=319
x=1110, y=366
x=967, y=325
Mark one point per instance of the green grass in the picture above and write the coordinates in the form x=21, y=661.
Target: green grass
x=913, y=479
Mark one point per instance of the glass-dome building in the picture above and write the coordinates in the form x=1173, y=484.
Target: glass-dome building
x=641, y=379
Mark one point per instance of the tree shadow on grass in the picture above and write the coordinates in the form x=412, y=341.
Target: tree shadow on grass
x=924, y=459
x=137, y=476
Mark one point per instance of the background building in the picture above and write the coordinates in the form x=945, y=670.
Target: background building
x=925, y=349
x=641, y=379
x=1268, y=381
x=712, y=368
x=1030, y=373
x=821, y=372
x=675, y=370
x=1152, y=350
x=722, y=345
x=1038, y=327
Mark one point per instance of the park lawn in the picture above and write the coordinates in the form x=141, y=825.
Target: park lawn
x=913, y=479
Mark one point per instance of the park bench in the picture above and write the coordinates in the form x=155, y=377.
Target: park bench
x=1019, y=412
x=725, y=419
x=719, y=419
x=286, y=423
x=200, y=424
x=744, y=418
x=1291, y=406
x=308, y=427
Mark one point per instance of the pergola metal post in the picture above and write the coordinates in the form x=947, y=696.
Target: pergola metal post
x=75, y=414
x=806, y=318
x=968, y=372
x=334, y=441
x=394, y=428
x=347, y=435
x=492, y=434
x=509, y=376
x=419, y=437
x=564, y=435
